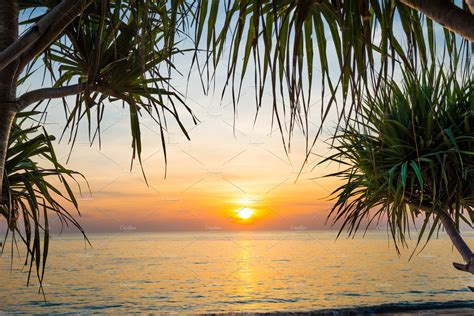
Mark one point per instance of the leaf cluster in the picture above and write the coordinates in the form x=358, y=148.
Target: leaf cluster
x=410, y=154
x=36, y=185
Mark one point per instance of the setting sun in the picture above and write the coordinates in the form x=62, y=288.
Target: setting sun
x=245, y=213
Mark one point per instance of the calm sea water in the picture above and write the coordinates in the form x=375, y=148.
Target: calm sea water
x=228, y=272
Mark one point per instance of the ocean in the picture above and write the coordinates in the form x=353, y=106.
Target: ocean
x=224, y=272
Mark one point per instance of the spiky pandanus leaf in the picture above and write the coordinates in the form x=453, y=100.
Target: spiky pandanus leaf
x=292, y=46
x=118, y=51
x=36, y=185
x=289, y=47
x=412, y=149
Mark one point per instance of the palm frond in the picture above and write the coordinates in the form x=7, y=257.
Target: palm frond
x=411, y=149
x=292, y=46
x=36, y=185
x=121, y=51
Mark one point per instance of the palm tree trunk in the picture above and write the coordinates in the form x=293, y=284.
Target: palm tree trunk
x=447, y=14
x=6, y=119
x=458, y=242
x=9, y=11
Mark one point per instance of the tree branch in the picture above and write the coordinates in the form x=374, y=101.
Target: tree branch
x=34, y=96
x=453, y=234
x=48, y=93
x=43, y=32
x=459, y=243
x=447, y=14
x=470, y=5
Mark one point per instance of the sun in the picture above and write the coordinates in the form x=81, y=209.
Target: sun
x=245, y=213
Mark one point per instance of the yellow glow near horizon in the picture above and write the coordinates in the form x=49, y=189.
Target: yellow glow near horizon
x=245, y=213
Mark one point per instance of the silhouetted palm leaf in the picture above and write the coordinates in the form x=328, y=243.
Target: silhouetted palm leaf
x=348, y=47
x=119, y=51
x=412, y=147
x=36, y=185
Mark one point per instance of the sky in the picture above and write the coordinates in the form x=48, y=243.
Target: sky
x=223, y=169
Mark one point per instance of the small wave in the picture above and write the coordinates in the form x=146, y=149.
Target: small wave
x=384, y=308
x=103, y=307
x=353, y=294
x=259, y=301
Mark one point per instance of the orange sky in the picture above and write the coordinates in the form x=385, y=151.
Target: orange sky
x=208, y=178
